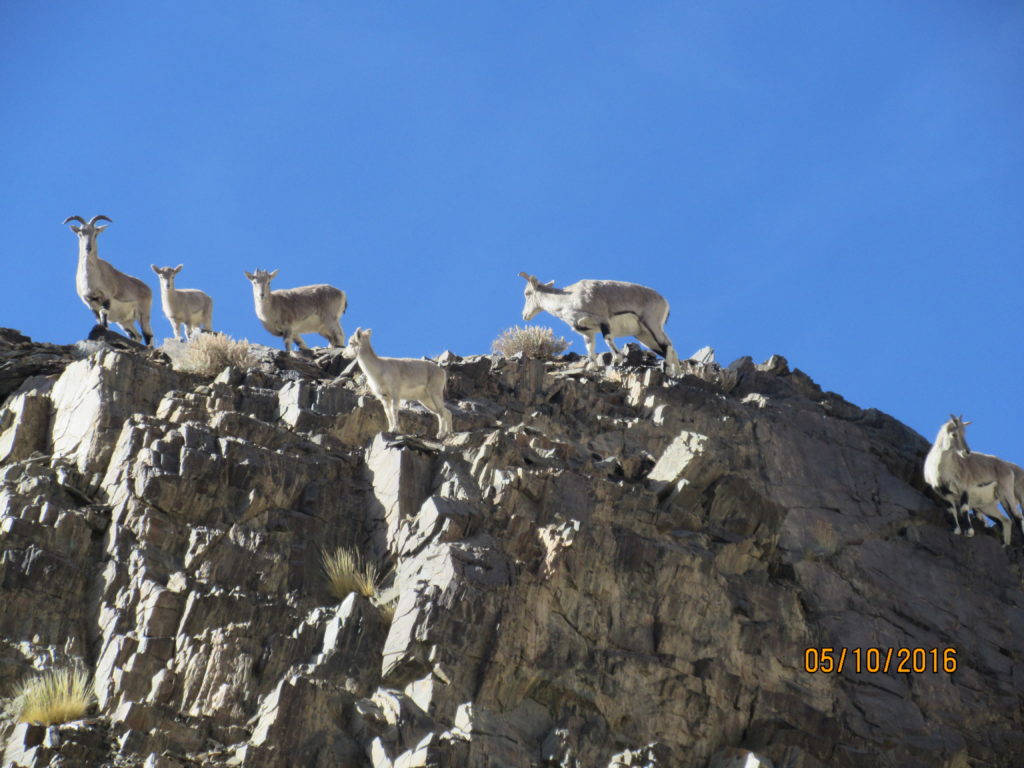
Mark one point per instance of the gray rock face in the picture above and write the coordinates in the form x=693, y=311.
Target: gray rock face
x=597, y=569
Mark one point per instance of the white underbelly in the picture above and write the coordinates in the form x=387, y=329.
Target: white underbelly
x=625, y=325
x=122, y=311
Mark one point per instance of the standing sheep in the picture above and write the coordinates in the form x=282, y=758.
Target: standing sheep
x=183, y=306
x=968, y=480
x=111, y=295
x=393, y=379
x=292, y=311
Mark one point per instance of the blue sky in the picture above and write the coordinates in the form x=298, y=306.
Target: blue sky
x=842, y=184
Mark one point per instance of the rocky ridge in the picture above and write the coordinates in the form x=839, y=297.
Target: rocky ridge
x=598, y=569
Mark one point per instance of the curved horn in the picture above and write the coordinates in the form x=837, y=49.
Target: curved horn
x=74, y=218
x=94, y=219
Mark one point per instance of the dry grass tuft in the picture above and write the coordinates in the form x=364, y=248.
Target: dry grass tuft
x=387, y=610
x=346, y=572
x=210, y=353
x=531, y=341
x=53, y=696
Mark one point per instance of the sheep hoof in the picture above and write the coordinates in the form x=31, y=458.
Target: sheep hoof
x=957, y=532
x=970, y=532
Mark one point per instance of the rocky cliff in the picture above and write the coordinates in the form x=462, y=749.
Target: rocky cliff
x=597, y=569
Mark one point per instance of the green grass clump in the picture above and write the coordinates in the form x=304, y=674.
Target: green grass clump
x=53, y=696
x=346, y=572
x=531, y=341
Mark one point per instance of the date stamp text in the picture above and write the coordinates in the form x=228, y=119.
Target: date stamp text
x=880, y=660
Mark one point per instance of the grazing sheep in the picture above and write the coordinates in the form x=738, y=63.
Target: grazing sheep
x=401, y=378
x=967, y=480
x=111, y=295
x=291, y=311
x=183, y=306
x=611, y=307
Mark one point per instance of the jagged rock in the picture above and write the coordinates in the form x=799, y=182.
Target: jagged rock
x=596, y=561
x=739, y=758
x=654, y=756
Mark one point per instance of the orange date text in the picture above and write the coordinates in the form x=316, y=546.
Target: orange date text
x=880, y=660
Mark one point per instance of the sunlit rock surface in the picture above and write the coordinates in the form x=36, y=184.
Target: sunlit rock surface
x=600, y=568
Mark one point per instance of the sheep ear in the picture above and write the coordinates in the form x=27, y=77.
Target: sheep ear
x=153, y=267
x=529, y=278
x=367, y=332
x=273, y=274
x=250, y=275
x=177, y=269
x=549, y=283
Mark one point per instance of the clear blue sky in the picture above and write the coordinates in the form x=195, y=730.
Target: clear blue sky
x=842, y=184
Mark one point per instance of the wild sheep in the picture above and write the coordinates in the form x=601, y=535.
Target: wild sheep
x=609, y=306
x=111, y=295
x=291, y=311
x=400, y=378
x=183, y=306
x=967, y=480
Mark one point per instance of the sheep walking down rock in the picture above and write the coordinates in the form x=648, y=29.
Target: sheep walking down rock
x=113, y=296
x=610, y=307
x=393, y=379
x=289, y=312
x=967, y=480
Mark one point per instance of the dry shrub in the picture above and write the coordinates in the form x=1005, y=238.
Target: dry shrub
x=346, y=572
x=387, y=610
x=210, y=353
x=53, y=696
x=531, y=341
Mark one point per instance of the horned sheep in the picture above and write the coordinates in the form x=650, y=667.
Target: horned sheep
x=967, y=480
x=289, y=312
x=111, y=295
x=610, y=307
x=183, y=306
x=393, y=379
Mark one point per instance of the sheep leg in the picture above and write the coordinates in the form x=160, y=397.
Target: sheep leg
x=993, y=512
x=964, y=508
x=645, y=337
x=129, y=331
x=606, y=331
x=1012, y=512
x=444, y=416
x=391, y=409
x=298, y=340
x=147, y=331
x=590, y=338
x=174, y=330
x=664, y=348
x=954, y=511
x=335, y=336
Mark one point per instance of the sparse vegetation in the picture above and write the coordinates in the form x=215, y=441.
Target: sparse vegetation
x=387, y=610
x=346, y=572
x=53, y=696
x=531, y=340
x=210, y=353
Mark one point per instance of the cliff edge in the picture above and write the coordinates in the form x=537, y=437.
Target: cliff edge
x=597, y=569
